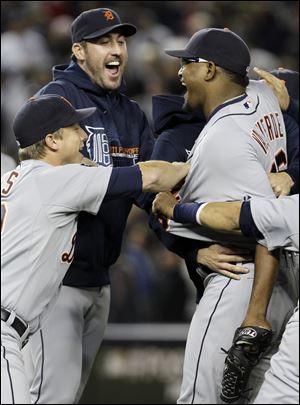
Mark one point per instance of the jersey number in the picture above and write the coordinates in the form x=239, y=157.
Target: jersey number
x=280, y=161
x=3, y=215
x=4, y=192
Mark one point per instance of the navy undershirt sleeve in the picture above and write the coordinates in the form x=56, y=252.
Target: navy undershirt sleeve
x=186, y=213
x=247, y=223
x=124, y=182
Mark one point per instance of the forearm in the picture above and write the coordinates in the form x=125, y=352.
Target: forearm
x=266, y=269
x=221, y=216
x=161, y=176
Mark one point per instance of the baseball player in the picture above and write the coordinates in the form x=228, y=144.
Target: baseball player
x=118, y=136
x=239, y=145
x=274, y=223
x=40, y=203
x=178, y=130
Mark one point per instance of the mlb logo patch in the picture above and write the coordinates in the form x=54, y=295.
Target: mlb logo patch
x=248, y=104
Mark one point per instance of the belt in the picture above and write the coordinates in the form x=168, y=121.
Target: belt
x=18, y=324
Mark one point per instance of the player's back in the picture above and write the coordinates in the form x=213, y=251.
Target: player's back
x=243, y=140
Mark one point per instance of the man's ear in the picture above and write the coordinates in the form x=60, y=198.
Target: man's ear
x=78, y=51
x=211, y=71
x=51, y=142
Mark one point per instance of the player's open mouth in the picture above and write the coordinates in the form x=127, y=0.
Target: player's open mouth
x=113, y=67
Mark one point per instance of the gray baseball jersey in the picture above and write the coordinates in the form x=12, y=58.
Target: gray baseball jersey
x=278, y=221
x=241, y=143
x=39, y=208
x=243, y=140
x=40, y=204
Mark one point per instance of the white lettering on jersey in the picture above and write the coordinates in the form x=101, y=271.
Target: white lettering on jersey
x=98, y=146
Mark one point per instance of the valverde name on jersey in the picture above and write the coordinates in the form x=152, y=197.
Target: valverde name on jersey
x=268, y=129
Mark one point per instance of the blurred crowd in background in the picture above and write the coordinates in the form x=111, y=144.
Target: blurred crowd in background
x=149, y=283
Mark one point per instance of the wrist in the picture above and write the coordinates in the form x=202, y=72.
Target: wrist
x=186, y=213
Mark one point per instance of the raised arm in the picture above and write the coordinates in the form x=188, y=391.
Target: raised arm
x=162, y=176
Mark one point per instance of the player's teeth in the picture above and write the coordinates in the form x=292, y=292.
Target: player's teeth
x=113, y=63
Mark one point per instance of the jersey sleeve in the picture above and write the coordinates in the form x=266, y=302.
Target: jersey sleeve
x=277, y=220
x=124, y=182
x=73, y=188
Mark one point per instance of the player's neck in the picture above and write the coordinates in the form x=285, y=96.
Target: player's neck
x=216, y=98
x=52, y=160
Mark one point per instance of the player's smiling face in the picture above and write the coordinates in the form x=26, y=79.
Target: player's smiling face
x=104, y=59
x=71, y=143
x=191, y=77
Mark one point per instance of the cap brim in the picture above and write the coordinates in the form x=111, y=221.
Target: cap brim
x=80, y=115
x=127, y=30
x=179, y=53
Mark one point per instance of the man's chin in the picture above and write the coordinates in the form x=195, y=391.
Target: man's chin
x=112, y=85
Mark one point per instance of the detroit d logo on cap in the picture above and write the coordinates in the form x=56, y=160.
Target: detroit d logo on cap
x=108, y=15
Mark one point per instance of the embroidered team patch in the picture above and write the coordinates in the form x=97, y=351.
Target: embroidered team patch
x=98, y=146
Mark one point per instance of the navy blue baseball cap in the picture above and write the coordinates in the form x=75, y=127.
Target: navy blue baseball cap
x=221, y=46
x=42, y=115
x=97, y=22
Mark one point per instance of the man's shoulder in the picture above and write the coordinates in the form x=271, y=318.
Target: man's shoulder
x=133, y=104
x=61, y=87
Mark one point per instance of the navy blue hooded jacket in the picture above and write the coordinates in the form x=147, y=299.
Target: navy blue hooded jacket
x=118, y=135
x=177, y=132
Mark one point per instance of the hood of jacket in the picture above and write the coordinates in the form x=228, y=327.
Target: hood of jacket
x=167, y=112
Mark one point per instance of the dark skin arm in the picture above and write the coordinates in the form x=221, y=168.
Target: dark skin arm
x=224, y=216
x=266, y=270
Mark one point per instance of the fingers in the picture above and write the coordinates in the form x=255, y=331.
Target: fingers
x=88, y=162
x=230, y=275
x=274, y=82
x=266, y=75
x=236, y=258
x=233, y=268
x=232, y=271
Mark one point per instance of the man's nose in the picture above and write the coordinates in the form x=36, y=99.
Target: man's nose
x=116, y=48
